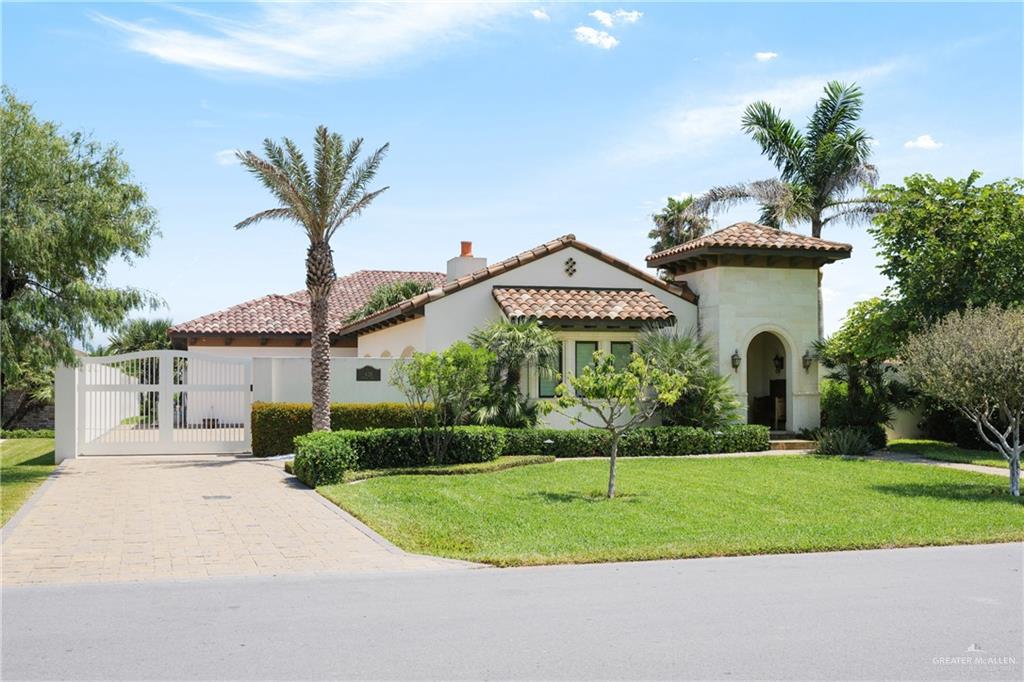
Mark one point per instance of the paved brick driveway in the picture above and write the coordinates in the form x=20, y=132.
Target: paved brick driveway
x=164, y=518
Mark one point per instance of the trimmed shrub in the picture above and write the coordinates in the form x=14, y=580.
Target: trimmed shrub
x=27, y=433
x=323, y=457
x=844, y=440
x=275, y=425
x=657, y=440
x=744, y=438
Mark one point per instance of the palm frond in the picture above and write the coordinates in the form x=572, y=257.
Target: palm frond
x=779, y=139
x=854, y=211
x=277, y=181
x=269, y=214
x=836, y=112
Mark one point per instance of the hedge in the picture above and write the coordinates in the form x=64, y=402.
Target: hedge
x=27, y=433
x=275, y=425
x=656, y=440
x=324, y=456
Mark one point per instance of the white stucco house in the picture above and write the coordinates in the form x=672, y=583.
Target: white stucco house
x=749, y=290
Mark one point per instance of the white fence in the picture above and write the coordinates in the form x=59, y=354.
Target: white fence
x=158, y=402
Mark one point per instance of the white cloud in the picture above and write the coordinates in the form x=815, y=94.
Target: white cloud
x=226, y=157
x=607, y=19
x=540, y=14
x=592, y=36
x=298, y=40
x=686, y=130
x=922, y=142
x=765, y=56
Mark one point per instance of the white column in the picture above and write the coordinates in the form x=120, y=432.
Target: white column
x=65, y=413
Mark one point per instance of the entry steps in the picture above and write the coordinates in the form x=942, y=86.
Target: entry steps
x=786, y=440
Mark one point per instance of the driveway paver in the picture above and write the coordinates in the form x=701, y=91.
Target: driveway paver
x=163, y=518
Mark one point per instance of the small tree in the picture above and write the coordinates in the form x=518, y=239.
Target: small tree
x=620, y=400
x=443, y=386
x=974, y=362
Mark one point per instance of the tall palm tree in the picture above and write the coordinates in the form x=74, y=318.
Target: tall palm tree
x=675, y=224
x=320, y=201
x=819, y=168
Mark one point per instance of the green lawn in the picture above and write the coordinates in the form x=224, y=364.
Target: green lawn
x=671, y=508
x=24, y=464
x=949, y=452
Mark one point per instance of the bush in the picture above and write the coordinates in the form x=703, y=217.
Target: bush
x=275, y=425
x=323, y=457
x=845, y=440
x=658, y=440
x=27, y=433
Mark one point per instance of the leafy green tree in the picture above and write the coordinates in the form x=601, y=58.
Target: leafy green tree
x=443, y=387
x=949, y=244
x=68, y=207
x=676, y=224
x=617, y=400
x=707, y=400
x=820, y=169
x=387, y=295
x=973, y=361
x=320, y=200
x=516, y=345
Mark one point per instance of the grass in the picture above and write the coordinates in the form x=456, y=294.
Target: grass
x=672, y=508
x=24, y=464
x=499, y=464
x=948, y=452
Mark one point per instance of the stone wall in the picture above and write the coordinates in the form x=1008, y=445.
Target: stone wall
x=37, y=418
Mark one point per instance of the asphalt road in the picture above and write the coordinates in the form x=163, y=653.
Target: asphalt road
x=931, y=613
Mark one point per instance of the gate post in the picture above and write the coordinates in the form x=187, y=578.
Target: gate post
x=65, y=413
x=165, y=404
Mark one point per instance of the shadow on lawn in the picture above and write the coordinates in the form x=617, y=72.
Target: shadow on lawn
x=970, y=492
x=591, y=497
x=39, y=460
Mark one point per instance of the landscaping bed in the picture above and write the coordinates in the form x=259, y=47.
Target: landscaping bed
x=680, y=507
x=949, y=452
x=24, y=465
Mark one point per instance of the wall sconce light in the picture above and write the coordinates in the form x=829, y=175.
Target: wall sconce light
x=736, y=359
x=779, y=363
x=808, y=359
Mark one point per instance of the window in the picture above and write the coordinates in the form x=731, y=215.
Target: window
x=584, y=355
x=546, y=381
x=621, y=351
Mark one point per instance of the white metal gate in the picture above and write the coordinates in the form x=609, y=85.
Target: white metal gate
x=163, y=402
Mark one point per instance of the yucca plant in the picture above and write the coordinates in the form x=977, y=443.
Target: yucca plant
x=320, y=200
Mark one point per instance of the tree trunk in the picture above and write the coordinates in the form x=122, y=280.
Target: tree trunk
x=611, y=471
x=319, y=280
x=816, y=233
x=1015, y=476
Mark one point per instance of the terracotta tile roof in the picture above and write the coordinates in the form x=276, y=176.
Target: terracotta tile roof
x=752, y=236
x=581, y=304
x=415, y=304
x=289, y=314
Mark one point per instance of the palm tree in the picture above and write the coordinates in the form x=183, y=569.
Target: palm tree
x=818, y=168
x=138, y=335
x=515, y=344
x=320, y=201
x=387, y=295
x=675, y=224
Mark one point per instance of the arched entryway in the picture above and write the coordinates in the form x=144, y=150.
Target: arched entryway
x=767, y=392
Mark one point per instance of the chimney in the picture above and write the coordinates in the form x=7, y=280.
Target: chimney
x=465, y=263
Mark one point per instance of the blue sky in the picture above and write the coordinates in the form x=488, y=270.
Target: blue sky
x=509, y=124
